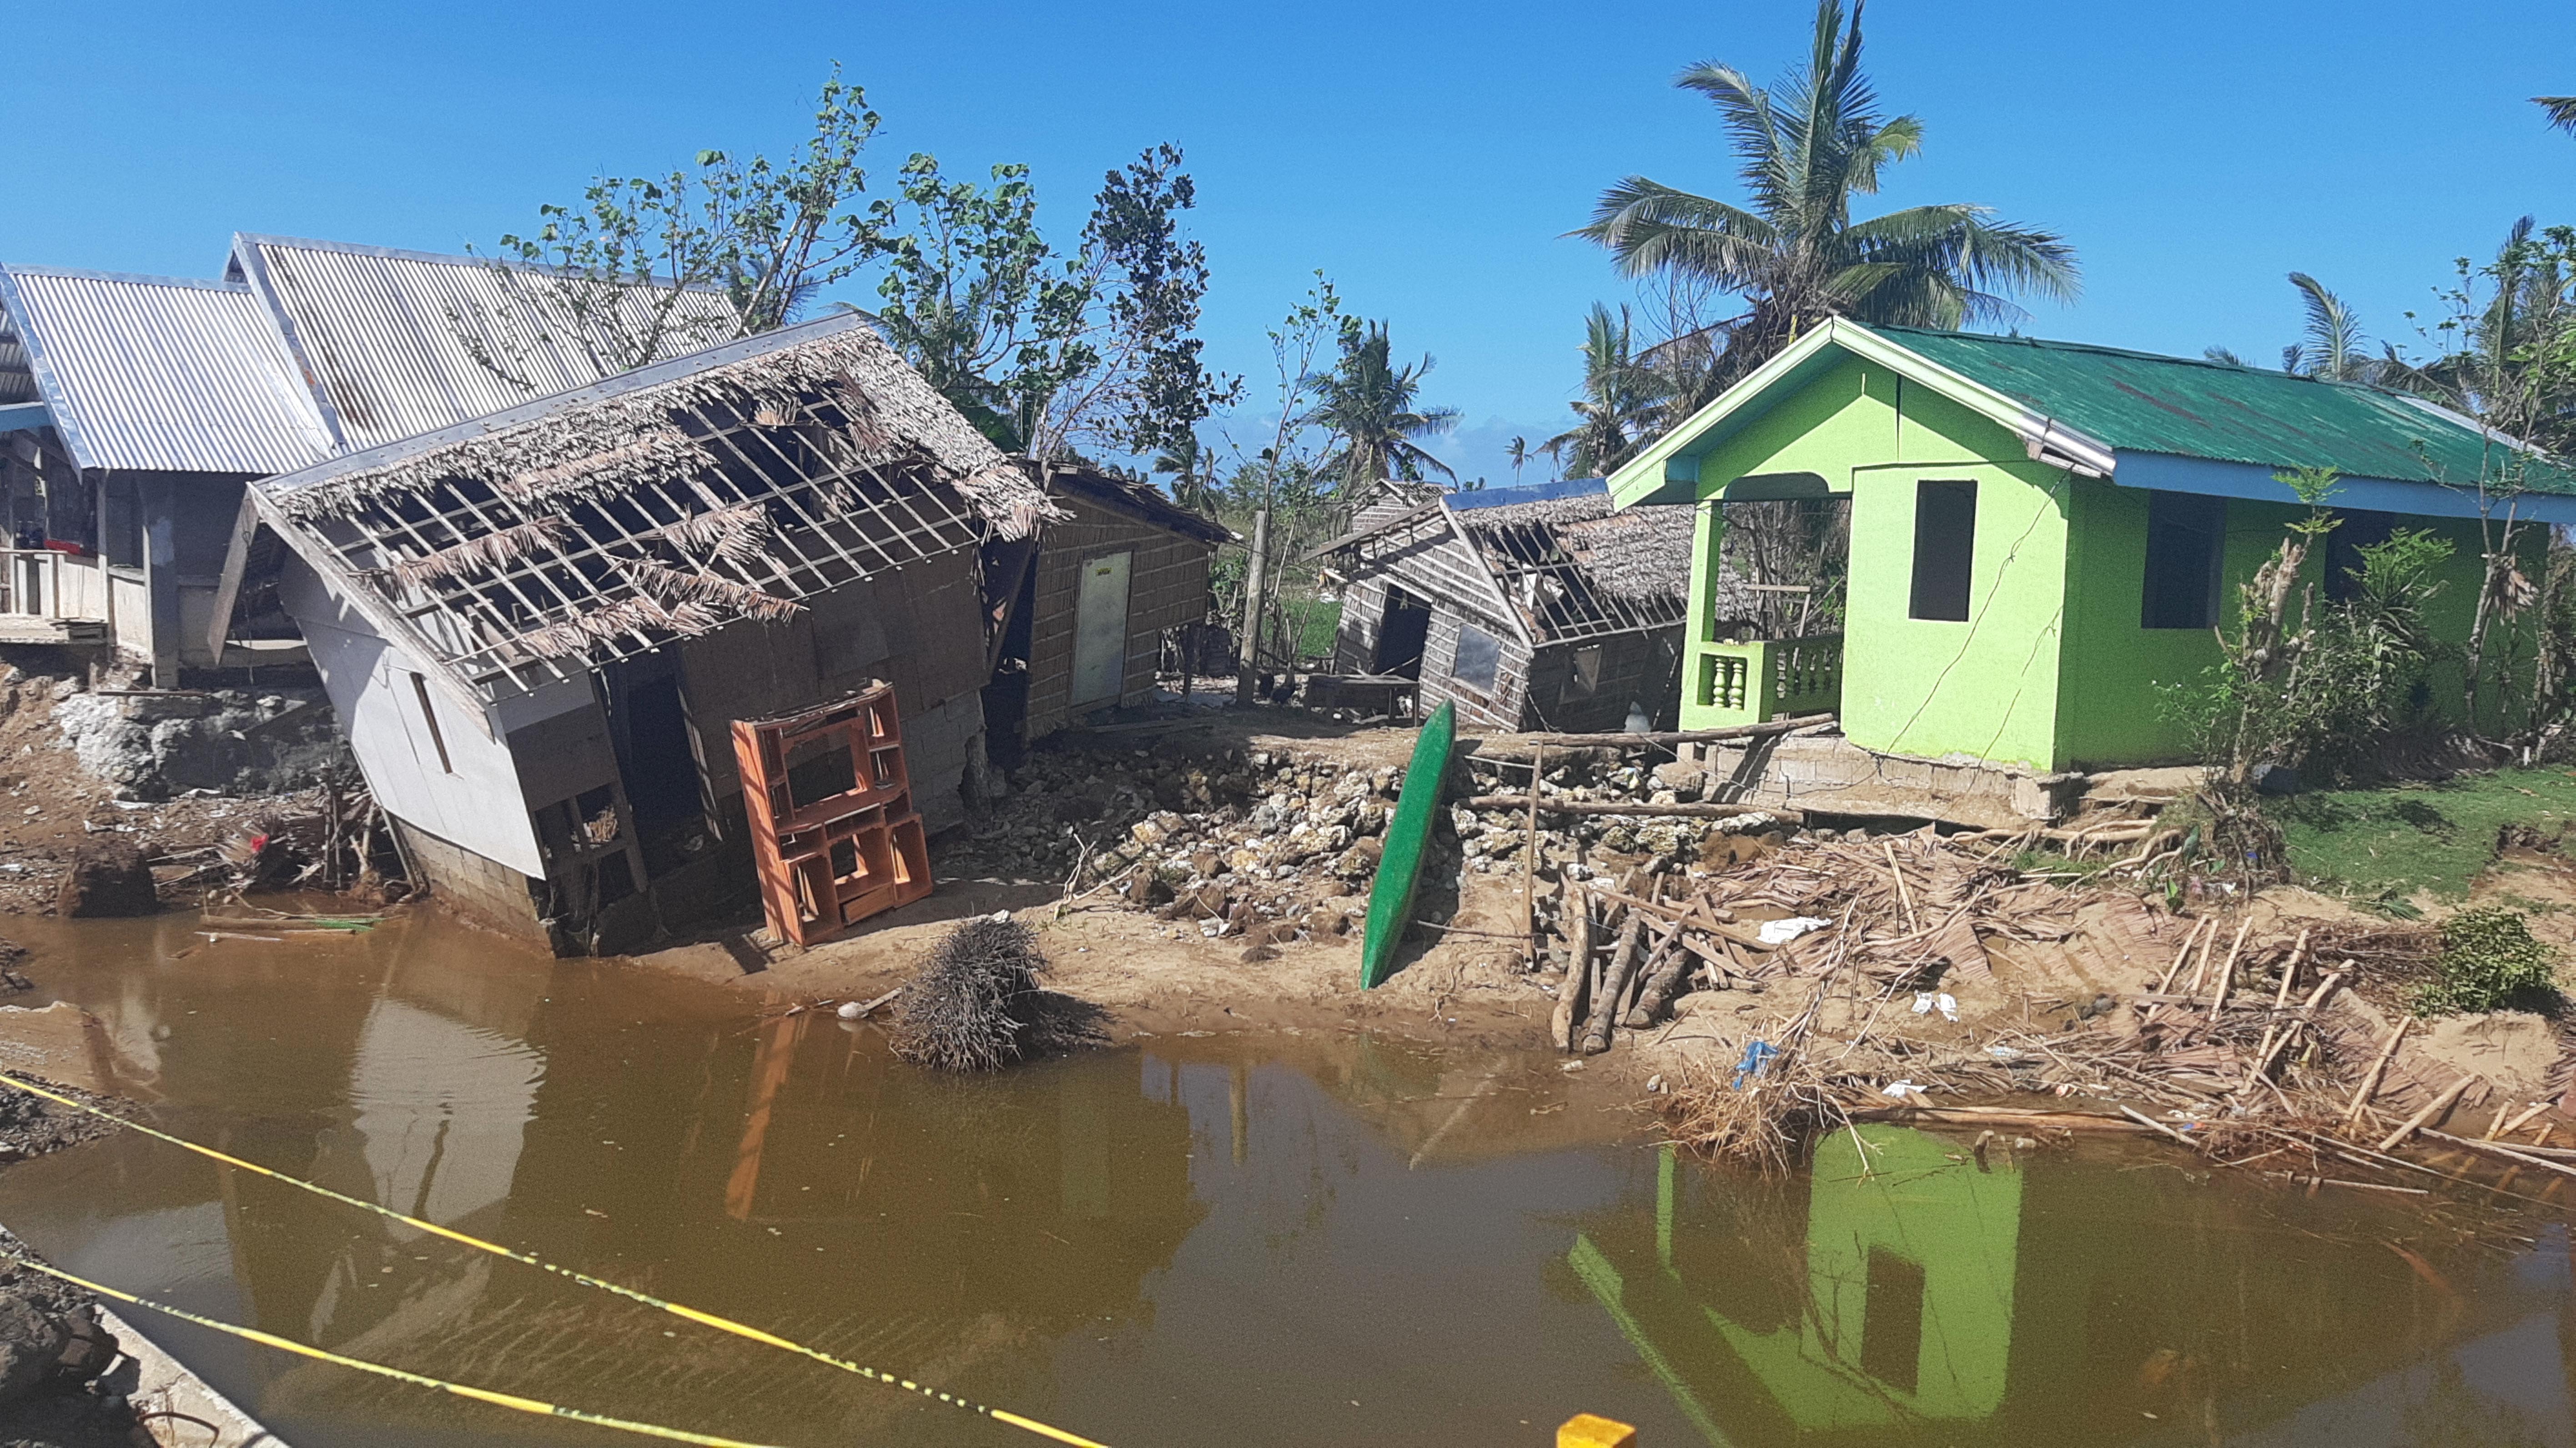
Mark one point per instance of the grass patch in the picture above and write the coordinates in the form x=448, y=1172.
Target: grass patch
x=2050, y=863
x=1314, y=621
x=2390, y=843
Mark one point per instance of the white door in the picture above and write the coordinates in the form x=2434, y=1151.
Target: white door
x=1100, y=631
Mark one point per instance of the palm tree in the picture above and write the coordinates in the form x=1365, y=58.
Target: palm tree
x=2224, y=356
x=2561, y=109
x=2335, y=348
x=1622, y=404
x=1368, y=405
x=1518, y=450
x=1794, y=253
x=1193, y=470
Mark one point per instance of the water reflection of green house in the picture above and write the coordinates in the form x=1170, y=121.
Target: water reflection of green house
x=1906, y=1309
x=1934, y=1299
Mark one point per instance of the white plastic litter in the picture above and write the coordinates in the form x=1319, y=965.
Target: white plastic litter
x=1926, y=1002
x=2003, y=1053
x=1781, y=932
x=851, y=1010
x=1899, y=1090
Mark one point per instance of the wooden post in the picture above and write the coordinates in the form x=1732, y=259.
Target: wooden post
x=1578, y=972
x=1529, y=856
x=1605, y=1005
x=2369, y=1086
x=1254, y=582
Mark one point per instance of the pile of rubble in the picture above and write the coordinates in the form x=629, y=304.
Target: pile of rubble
x=160, y=744
x=1256, y=843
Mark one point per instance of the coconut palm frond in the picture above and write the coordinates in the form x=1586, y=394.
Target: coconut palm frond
x=676, y=591
x=738, y=535
x=482, y=554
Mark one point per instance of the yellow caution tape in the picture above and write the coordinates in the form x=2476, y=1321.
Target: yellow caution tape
x=709, y=1319
x=480, y=1395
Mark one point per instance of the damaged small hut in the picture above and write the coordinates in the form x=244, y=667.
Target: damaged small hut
x=1091, y=599
x=1529, y=608
x=538, y=626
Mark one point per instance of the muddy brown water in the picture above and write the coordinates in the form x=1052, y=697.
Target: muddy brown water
x=1285, y=1239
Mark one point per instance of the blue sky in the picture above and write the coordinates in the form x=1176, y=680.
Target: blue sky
x=1428, y=157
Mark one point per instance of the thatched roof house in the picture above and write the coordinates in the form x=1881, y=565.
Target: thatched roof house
x=1529, y=608
x=538, y=625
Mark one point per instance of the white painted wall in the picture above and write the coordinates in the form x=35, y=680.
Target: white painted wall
x=474, y=801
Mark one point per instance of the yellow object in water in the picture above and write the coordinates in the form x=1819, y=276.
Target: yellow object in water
x=1584, y=1430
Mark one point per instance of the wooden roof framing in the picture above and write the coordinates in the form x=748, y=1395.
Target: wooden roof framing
x=569, y=533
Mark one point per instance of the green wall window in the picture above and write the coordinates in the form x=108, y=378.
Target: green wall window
x=1945, y=544
x=2186, y=536
x=2354, y=530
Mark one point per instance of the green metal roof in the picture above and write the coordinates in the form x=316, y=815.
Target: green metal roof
x=2142, y=402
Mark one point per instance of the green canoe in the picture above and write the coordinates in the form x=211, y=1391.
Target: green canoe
x=1408, y=835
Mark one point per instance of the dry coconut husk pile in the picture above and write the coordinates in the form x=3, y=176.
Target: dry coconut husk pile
x=2249, y=1043
x=977, y=1005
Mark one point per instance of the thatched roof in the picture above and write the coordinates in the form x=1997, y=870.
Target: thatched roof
x=606, y=521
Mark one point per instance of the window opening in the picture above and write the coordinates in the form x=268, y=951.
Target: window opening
x=2186, y=540
x=2353, y=531
x=429, y=716
x=1945, y=535
x=1583, y=680
x=1480, y=658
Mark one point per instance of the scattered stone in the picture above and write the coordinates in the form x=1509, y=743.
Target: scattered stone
x=31, y=1343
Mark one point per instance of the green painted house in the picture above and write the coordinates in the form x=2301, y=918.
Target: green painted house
x=2041, y=532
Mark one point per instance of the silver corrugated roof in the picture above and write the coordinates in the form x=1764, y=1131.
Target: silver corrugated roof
x=158, y=372
x=392, y=337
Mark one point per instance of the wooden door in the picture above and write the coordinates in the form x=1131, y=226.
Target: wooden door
x=1100, y=631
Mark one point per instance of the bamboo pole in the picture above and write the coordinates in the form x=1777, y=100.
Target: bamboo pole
x=1570, y=997
x=2227, y=971
x=2280, y=998
x=1904, y=896
x=2431, y=1112
x=2369, y=1086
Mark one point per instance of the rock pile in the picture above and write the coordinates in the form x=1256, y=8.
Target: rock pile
x=1246, y=843
x=156, y=746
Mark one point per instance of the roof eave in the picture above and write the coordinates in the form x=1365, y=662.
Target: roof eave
x=1668, y=472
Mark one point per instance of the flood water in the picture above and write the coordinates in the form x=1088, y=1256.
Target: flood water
x=1317, y=1239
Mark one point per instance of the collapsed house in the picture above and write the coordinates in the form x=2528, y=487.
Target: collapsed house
x=1091, y=600
x=1535, y=607
x=538, y=626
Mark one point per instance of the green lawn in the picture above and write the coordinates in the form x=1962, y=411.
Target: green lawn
x=2392, y=843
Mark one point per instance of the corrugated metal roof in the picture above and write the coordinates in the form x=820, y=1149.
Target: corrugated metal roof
x=2147, y=403
x=391, y=338
x=159, y=373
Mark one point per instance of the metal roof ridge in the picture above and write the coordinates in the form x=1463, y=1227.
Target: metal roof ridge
x=2105, y=348
x=385, y=454
x=397, y=253
x=142, y=279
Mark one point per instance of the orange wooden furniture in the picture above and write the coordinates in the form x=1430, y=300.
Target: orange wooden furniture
x=834, y=835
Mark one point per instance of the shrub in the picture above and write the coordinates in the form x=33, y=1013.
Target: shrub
x=2489, y=961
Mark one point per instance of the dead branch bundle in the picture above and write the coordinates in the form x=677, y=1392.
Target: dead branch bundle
x=976, y=1004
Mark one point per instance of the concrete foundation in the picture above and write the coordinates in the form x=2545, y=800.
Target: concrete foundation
x=1828, y=774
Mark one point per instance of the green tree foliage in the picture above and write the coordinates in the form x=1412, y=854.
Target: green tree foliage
x=1371, y=410
x=2560, y=109
x=1793, y=252
x=1051, y=353
x=1623, y=402
x=2320, y=685
x=621, y=267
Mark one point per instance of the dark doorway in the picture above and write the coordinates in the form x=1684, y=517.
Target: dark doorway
x=648, y=720
x=1400, y=635
x=1891, y=1323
